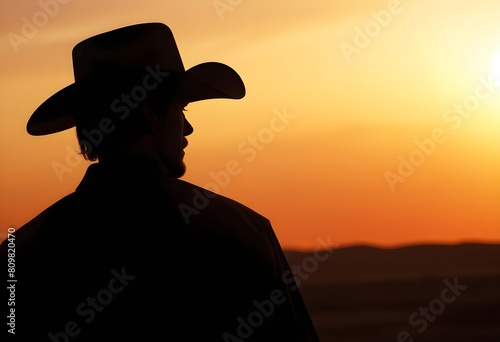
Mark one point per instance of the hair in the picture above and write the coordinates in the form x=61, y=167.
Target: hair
x=112, y=119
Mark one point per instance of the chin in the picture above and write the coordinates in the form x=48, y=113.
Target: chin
x=175, y=169
x=181, y=171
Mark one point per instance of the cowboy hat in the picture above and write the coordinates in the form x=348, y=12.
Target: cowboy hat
x=116, y=59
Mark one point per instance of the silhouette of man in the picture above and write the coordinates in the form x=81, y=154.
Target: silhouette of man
x=135, y=253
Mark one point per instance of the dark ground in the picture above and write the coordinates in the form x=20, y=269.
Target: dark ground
x=369, y=294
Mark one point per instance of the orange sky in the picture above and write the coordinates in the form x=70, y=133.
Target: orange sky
x=361, y=89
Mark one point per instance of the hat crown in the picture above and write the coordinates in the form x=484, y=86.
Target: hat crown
x=132, y=47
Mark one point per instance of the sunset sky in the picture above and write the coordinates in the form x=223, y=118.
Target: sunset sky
x=389, y=111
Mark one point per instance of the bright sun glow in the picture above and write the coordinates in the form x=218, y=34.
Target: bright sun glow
x=496, y=67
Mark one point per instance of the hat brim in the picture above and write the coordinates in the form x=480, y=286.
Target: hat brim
x=205, y=81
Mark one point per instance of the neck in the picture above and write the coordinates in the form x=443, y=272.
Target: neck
x=143, y=148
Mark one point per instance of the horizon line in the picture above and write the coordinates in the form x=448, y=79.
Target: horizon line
x=396, y=246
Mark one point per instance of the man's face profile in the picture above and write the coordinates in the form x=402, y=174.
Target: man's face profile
x=169, y=131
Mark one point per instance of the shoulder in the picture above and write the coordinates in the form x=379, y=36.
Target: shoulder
x=192, y=199
x=49, y=220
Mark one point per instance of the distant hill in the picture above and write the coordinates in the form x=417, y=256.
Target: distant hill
x=362, y=263
x=363, y=293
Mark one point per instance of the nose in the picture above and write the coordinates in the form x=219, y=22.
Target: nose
x=188, y=129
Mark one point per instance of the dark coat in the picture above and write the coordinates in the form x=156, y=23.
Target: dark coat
x=131, y=255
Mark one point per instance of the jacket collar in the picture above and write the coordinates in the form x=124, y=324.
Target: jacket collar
x=132, y=173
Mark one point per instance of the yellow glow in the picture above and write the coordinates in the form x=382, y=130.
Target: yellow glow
x=496, y=66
